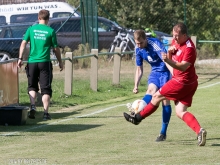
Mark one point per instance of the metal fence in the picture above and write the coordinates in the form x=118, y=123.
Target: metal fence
x=201, y=18
x=89, y=22
x=6, y=2
x=70, y=32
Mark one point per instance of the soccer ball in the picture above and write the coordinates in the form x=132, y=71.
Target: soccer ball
x=138, y=105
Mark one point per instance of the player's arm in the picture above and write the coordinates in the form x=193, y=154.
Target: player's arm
x=24, y=42
x=170, y=68
x=138, y=76
x=160, y=52
x=57, y=53
x=21, y=52
x=56, y=50
x=182, y=66
x=188, y=59
x=22, y=48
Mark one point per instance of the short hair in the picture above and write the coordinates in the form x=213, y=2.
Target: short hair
x=181, y=27
x=139, y=34
x=44, y=14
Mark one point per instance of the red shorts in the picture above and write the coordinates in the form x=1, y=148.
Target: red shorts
x=178, y=92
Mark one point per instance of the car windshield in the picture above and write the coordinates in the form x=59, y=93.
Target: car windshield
x=18, y=32
x=13, y=31
x=115, y=24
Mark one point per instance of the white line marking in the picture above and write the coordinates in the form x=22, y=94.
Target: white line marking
x=90, y=114
x=60, y=121
x=207, y=86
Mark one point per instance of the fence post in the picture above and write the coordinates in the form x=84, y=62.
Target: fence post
x=193, y=38
x=117, y=66
x=68, y=73
x=94, y=70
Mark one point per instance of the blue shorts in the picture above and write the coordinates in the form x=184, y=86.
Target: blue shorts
x=159, y=78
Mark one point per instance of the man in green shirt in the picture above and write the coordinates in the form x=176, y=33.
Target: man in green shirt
x=39, y=68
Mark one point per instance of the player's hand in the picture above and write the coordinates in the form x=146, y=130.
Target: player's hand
x=164, y=56
x=20, y=63
x=61, y=66
x=172, y=49
x=135, y=90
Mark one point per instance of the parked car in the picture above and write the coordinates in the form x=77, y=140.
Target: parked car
x=160, y=34
x=70, y=33
x=67, y=35
x=11, y=38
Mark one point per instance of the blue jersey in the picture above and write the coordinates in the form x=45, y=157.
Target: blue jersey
x=152, y=54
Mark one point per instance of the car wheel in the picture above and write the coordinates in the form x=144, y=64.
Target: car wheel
x=4, y=56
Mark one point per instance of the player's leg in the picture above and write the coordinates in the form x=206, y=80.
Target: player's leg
x=153, y=85
x=153, y=81
x=186, y=93
x=152, y=88
x=187, y=117
x=182, y=95
x=192, y=122
x=166, y=114
x=45, y=81
x=32, y=75
x=166, y=108
x=147, y=98
x=147, y=111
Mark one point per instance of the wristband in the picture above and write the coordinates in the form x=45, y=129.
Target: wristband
x=20, y=58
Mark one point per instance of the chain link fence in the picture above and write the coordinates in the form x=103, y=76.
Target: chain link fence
x=201, y=18
x=6, y=2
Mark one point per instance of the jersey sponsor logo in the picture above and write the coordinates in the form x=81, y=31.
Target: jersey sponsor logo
x=178, y=52
x=40, y=35
x=188, y=43
x=149, y=59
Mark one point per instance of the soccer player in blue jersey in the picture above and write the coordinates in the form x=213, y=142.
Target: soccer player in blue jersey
x=149, y=49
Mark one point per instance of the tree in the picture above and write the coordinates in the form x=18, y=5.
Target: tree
x=202, y=17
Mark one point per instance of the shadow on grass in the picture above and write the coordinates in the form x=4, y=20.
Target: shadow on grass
x=65, y=114
x=62, y=128
x=65, y=128
x=54, y=125
x=215, y=76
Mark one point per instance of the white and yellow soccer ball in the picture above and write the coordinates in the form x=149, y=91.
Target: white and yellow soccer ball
x=137, y=106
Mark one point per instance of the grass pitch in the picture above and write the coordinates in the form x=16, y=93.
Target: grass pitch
x=97, y=134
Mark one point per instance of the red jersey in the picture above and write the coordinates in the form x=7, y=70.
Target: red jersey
x=185, y=52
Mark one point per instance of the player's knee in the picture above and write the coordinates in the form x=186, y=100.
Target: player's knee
x=157, y=98
x=46, y=91
x=152, y=89
x=166, y=102
x=178, y=115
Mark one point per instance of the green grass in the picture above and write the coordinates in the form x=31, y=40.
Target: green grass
x=88, y=128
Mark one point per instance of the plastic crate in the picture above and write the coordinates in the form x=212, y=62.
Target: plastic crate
x=13, y=115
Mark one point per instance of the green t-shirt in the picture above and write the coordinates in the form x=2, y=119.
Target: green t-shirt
x=42, y=38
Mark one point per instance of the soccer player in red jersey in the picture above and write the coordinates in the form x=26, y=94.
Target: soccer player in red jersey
x=180, y=60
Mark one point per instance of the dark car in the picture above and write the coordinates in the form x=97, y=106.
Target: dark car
x=11, y=38
x=70, y=33
x=160, y=34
